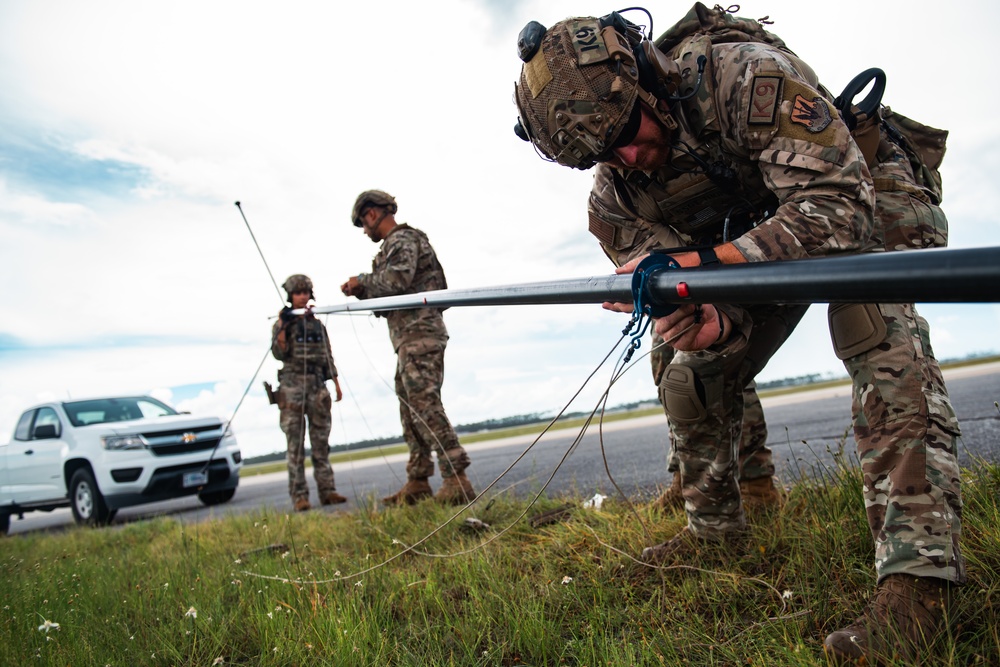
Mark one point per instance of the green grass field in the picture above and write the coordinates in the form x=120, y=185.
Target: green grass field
x=341, y=589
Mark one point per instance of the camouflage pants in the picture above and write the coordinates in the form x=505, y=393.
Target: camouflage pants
x=754, y=455
x=419, y=376
x=906, y=433
x=707, y=441
x=302, y=399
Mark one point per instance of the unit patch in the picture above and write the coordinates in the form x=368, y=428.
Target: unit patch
x=587, y=41
x=812, y=114
x=764, y=101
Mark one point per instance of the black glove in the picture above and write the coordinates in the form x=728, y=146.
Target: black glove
x=286, y=314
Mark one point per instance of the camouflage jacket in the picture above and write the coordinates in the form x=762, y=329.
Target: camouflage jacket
x=760, y=142
x=307, y=351
x=406, y=264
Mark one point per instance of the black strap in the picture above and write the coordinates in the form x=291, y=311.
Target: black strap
x=707, y=256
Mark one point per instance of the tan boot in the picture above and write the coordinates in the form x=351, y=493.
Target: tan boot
x=302, y=505
x=761, y=494
x=671, y=499
x=333, y=498
x=456, y=490
x=903, y=616
x=685, y=545
x=414, y=490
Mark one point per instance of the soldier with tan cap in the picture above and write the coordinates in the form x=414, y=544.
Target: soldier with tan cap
x=302, y=344
x=406, y=264
x=717, y=145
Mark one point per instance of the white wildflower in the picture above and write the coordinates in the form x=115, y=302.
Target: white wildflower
x=358, y=584
x=47, y=625
x=786, y=594
x=219, y=660
x=192, y=612
x=567, y=580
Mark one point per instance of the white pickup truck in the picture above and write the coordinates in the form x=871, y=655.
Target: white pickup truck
x=102, y=454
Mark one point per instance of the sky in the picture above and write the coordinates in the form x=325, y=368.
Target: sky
x=128, y=130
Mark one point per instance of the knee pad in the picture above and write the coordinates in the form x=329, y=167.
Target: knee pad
x=855, y=328
x=683, y=395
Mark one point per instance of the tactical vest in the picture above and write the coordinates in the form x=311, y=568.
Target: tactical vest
x=307, y=349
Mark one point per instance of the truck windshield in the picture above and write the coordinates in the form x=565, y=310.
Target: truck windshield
x=103, y=410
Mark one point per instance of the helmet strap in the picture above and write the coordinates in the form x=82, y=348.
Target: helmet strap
x=654, y=105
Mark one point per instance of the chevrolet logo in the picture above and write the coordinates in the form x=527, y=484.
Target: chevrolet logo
x=188, y=438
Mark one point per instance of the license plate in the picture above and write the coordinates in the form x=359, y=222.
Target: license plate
x=194, y=479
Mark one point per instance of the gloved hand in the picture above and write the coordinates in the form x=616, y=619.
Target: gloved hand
x=286, y=314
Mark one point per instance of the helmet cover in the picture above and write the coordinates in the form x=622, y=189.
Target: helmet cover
x=298, y=283
x=576, y=94
x=371, y=198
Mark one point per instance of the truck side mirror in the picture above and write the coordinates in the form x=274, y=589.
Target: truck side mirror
x=46, y=432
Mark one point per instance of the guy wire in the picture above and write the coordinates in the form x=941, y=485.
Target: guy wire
x=412, y=547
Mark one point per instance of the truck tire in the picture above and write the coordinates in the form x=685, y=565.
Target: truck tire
x=4, y=523
x=217, y=497
x=89, y=508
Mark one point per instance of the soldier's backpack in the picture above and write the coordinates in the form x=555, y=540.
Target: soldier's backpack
x=923, y=145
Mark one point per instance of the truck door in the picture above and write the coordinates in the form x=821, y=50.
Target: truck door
x=34, y=465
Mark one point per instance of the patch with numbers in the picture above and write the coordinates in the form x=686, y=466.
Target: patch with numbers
x=587, y=41
x=812, y=114
x=764, y=100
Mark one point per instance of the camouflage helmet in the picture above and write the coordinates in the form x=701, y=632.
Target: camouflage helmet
x=576, y=96
x=298, y=283
x=371, y=198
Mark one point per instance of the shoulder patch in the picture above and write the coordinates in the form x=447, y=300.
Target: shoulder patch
x=587, y=41
x=812, y=114
x=806, y=115
x=764, y=100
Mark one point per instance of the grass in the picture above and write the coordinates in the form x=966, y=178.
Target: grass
x=276, y=589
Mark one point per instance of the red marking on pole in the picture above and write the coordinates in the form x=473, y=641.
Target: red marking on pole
x=682, y=290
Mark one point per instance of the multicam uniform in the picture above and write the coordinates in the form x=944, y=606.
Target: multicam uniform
x=307, y=363
x=761, y=141
x=406, y=264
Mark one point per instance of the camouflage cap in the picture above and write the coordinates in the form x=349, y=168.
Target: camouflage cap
x=577, y=92
x=298, y=283
x=371, y=198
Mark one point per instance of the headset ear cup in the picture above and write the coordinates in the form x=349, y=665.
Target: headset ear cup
x=657, y=73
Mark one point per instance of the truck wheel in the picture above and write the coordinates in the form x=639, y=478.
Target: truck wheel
x=4, y=523
x=86, y=500
x=217, y=497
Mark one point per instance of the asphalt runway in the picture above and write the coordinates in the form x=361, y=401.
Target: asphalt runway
x=806, y=430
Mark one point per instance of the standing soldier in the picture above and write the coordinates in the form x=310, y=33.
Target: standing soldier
x=301, y=343
x=717, y=144
x=406, y=264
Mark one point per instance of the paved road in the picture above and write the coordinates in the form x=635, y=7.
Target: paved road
x=805, y=428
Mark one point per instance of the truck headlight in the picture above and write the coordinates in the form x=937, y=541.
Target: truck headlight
x=120, y=442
